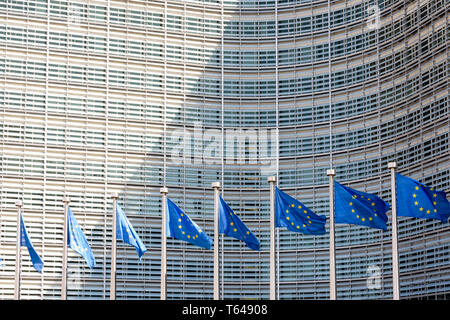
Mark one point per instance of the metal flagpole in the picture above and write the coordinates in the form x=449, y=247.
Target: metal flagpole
x=216, y=187
x=331, y=173
x=395, y=274
x=64, y=262
x=112, y=290
x=18, y=260
x=164, y=191
x=272, y=295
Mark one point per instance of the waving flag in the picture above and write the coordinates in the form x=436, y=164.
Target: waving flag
x=181, y=227
x=414, y=199
x=126, y=233
x=232, y=226
x=359, y=208
x=77, y=241
x=26, y=242
x=295, y=216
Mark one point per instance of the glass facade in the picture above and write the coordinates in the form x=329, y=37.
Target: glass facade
x=98, y=96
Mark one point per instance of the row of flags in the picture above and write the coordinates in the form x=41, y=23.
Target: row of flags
x=77, y=241
x=414, y=199
x=179, y=226
x=351, y=206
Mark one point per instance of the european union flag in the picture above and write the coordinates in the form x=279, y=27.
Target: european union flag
x=77, y=241
x=295, y=216
x=360, y=208
x=181, y=227
x=414, y=199
x=232, y=226
x=26, y=242
x=125, y=232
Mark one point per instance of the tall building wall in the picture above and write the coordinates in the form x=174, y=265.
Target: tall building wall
x=127, y=96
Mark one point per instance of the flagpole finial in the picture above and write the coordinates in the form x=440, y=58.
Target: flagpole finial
x=331, y=172
x=271, y=179
x=19, y=204
x=115, y=195
x=164, y=190
x=392, y=165
x=66, y=199
x=215, y=184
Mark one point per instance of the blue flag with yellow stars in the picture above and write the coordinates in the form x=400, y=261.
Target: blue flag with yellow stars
x=414, y=199
x=295, y=216
x=232, y=226
x=360, y=208
x=26, y=242
x=181, y=227
x=126, y=233
x=77, y=241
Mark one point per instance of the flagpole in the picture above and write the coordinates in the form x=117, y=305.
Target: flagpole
x=64, y=262
x=216, y=187
x=395, y=272
x=112, y=287
x=18, y=260
x=164, y=191
x=331, y=173
x=272, y=293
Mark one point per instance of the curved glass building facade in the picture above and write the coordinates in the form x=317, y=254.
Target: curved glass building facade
x=127, y=96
